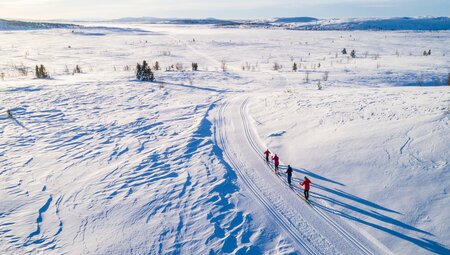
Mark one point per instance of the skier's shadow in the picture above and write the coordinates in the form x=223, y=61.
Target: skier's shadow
x=316, y=176
x=424, y=243
x=339, y=207
x=20, y=124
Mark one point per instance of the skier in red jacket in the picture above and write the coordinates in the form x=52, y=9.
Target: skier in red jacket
x=276, y=162
x=267, y=153
x=306, y=183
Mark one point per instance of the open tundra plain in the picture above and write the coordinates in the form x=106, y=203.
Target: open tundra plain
x=99, y=163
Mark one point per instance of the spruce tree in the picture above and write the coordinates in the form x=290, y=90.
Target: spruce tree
x=144, y=72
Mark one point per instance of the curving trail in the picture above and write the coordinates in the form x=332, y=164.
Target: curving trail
x=311, y=230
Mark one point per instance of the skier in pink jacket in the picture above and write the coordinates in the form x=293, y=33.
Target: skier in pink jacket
x=276, y=162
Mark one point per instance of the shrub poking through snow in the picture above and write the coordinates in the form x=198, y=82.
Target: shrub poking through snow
x=194, y=67
x=156, y=66
x=276, y=66
x=353, y=54
x=144, y=72
x=223, y=66
x=325, y=75
x=427, y=53
x=23, y=70
x=77, y=69
x=306, y=79
x=41, y=72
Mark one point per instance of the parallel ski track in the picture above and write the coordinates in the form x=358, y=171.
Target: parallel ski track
x=280, y=218
x=258, y=149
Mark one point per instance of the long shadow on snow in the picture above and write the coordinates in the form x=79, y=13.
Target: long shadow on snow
x=316, y=176
x=372, y=214
x=307, y=173
x=424, y=243
x=20, y=124
x=337, y=192
x=349, y=196
x=427, y=244
x=193, y=87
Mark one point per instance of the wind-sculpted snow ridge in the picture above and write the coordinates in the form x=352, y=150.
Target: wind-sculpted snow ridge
x=78, y=170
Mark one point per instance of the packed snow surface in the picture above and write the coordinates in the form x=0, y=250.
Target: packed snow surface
x=99, y=163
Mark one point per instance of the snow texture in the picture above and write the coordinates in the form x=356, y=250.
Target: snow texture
x=99, y=163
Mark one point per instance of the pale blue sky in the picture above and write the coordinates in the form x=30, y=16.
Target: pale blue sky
x=231, y=9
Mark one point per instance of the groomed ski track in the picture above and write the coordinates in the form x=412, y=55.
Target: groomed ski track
x=311, y=230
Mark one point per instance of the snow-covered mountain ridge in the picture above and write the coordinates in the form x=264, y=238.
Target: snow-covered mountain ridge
x=310, y=23
x=401, y=23
x=294, y=23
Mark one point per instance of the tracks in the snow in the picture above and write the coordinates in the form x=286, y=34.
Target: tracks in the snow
x=284, y=222
x=303, y=234
x=257, y=148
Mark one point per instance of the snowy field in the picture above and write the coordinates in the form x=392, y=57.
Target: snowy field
x=100, y=163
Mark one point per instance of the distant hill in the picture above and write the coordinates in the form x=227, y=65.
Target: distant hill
x=295, y=19
x=294, y=23
x=178, y=21
x=403, y=23
x=27, y=25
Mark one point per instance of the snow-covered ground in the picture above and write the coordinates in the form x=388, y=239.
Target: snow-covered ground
x=99, y=163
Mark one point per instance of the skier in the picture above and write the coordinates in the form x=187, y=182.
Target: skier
x=267, y=153
x=276, y=162
x=289, y=174
x=8, y=112
x=306, y=183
